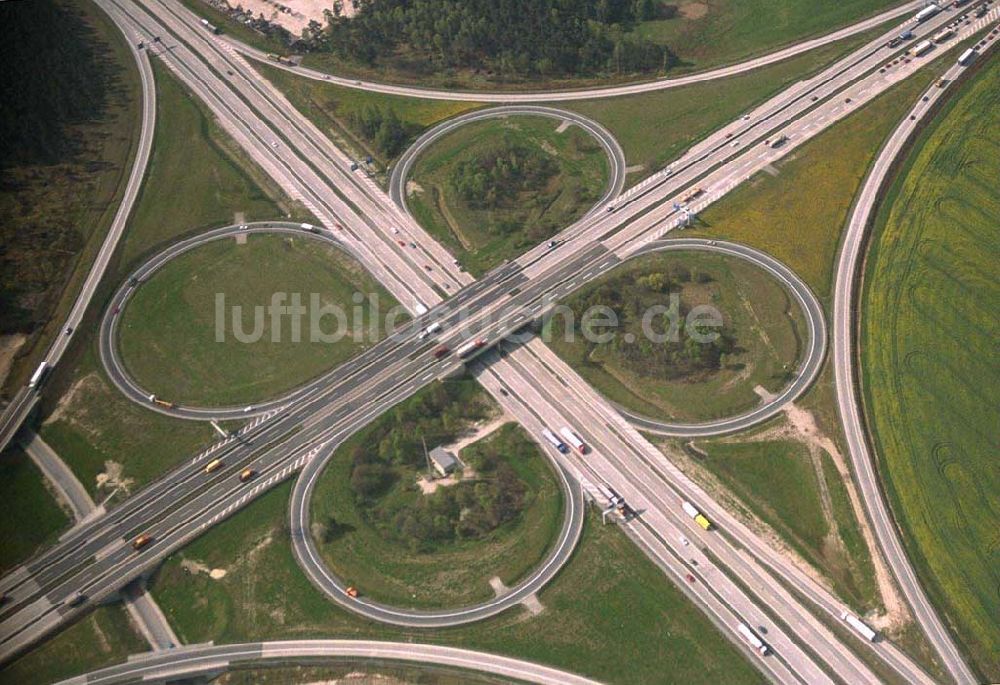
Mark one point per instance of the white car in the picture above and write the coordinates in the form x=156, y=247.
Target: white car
x=247, y=408
x=685, y=541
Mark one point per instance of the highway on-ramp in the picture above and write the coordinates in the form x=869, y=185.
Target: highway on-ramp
x=20, y=407
x=290, y=438
x=616, y=156
x=209, y=661
x=845, y=307
x=585, y=93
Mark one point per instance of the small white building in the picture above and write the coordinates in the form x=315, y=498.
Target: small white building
x=444, y=461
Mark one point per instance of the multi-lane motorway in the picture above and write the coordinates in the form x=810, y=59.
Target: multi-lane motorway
x=286, y=438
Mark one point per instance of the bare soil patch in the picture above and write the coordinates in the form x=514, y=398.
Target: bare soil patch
x=693, y=10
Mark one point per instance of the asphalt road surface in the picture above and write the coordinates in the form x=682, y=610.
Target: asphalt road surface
x=208, y=661
x=616, y=156
x=25, y=400
x=586, y=93
x=844, y=353
x=185, y=502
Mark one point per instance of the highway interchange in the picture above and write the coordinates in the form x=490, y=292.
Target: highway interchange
x=302, y=431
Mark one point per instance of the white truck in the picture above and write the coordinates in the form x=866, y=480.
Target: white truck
x=573, y=439
x=470, y=348
x=613, y=497
x=430, y=330
x=751, y=637
x=39, y=375
x=859, y=626
x=966, y=57
x=942, y=36
x=926, y=13
x=922, y=48
x=698, y=517
x=554, y=441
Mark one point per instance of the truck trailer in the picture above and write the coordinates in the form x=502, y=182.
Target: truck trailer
x=926, y=13
x=470, y=348
x=859, y=626
x=698, y=517
x=573, y=439
x=751, y=637
x=554, y=441
x=39, y=375
x=922, y=48
x=942, y=36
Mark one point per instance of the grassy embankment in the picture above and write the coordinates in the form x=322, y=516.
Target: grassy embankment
x=484, y=236
x=928, y=344
x=36, y=520
x=406, y=548
x=707, y=34
x=87, y=421
x=766, y=327
x=609, y=614
x=336, y=111
x=655, y=128
x=68, y=144
x=168, y=330
x=102, y=638
x=796, y=489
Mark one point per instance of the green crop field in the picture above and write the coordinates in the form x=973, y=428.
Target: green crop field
x=32, y=517
x=766, y=326
x=928, y=342
x=483, y=237
x=609, y=614
x=103, y=638
x=169, y=337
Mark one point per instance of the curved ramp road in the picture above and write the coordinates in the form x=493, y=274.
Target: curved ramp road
x=862, y=460
x=808, y=367
x=208, y=661
x=99, y=559
x=26, y=398
x=108, y=347
x=616, y=156
x=309, y=558
x=586, y=93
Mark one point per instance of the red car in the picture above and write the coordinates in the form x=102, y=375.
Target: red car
x=690, y=578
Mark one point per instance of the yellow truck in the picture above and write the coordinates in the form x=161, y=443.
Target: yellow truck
x=698, y=517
